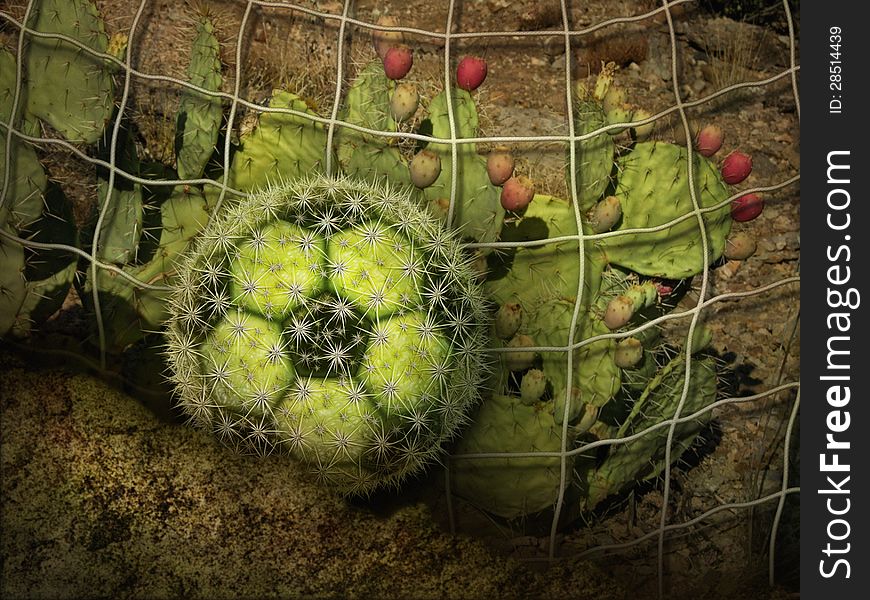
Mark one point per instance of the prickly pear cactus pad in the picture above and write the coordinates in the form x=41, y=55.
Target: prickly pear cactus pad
x=333, y=320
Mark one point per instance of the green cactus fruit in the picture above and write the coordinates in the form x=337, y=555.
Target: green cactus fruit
x=533, y=386
x=593, y=156
x=605, y=214
x=478, y=214
x=425, y=168
x=575, y=406
x=740, y=246
x=282, y=146
x=68, y=88
x=642, y=133
x=404, y=102
x=331, y=319
x=643, y=458
x=629, y=352
x=621, y=309
x=508, y=319
x=199, y=116
x=653, y=190
x=510, y=487
x=517, y=359
x=617, y=110
x=367, y=104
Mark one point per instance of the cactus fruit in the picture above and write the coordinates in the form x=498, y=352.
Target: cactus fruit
x=384, y=40
x=709, y=140
x=398, y=62
x=643, y=132
x=605, y=215
x=746, y=207
x=629, y=352
x=425, y=168
x=499, y=166
x=533, y=386
x=736, y=167
x=470, y=73
x=508, y=319
x=517, y=193
x=404, y=102
x=517, y=359
x=740, y=246
x=332, y=319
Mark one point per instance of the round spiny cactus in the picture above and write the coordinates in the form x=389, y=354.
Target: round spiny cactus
x=334, y=320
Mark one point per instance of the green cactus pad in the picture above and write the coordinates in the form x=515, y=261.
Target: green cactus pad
x=593, y=156
x=199, y=115
x=643, y=458
x=510, y=487
x=478, y=214
x=367, y=105
x=68, y=88
x=544, y=280
x=128, y=310
x=377, y=355
x=27, y=180
x=122, y=224
x=49, y=273
x=281, y=147
x=653, y=189
x=13, y=287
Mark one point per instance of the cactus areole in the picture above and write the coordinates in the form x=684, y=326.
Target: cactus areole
x=332, y=320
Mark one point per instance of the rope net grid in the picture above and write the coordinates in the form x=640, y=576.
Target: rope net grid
x=780, y=400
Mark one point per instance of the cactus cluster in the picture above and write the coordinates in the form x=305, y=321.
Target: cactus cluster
x=339, y=317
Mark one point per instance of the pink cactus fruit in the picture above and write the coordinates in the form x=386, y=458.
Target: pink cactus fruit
x=397, y=62
x=499, y=165
x=470, y=73
x=746, y=207
x=710, y=140
x=736, y=167
x=384, y=40
x=517, y=193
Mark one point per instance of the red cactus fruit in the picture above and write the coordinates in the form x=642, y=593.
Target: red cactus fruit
x=398, y=61
x=745, y=208
x=470, y=73
x=736, y=167
x=517, y=193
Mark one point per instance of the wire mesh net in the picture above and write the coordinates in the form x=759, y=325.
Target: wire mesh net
x=339, y=18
